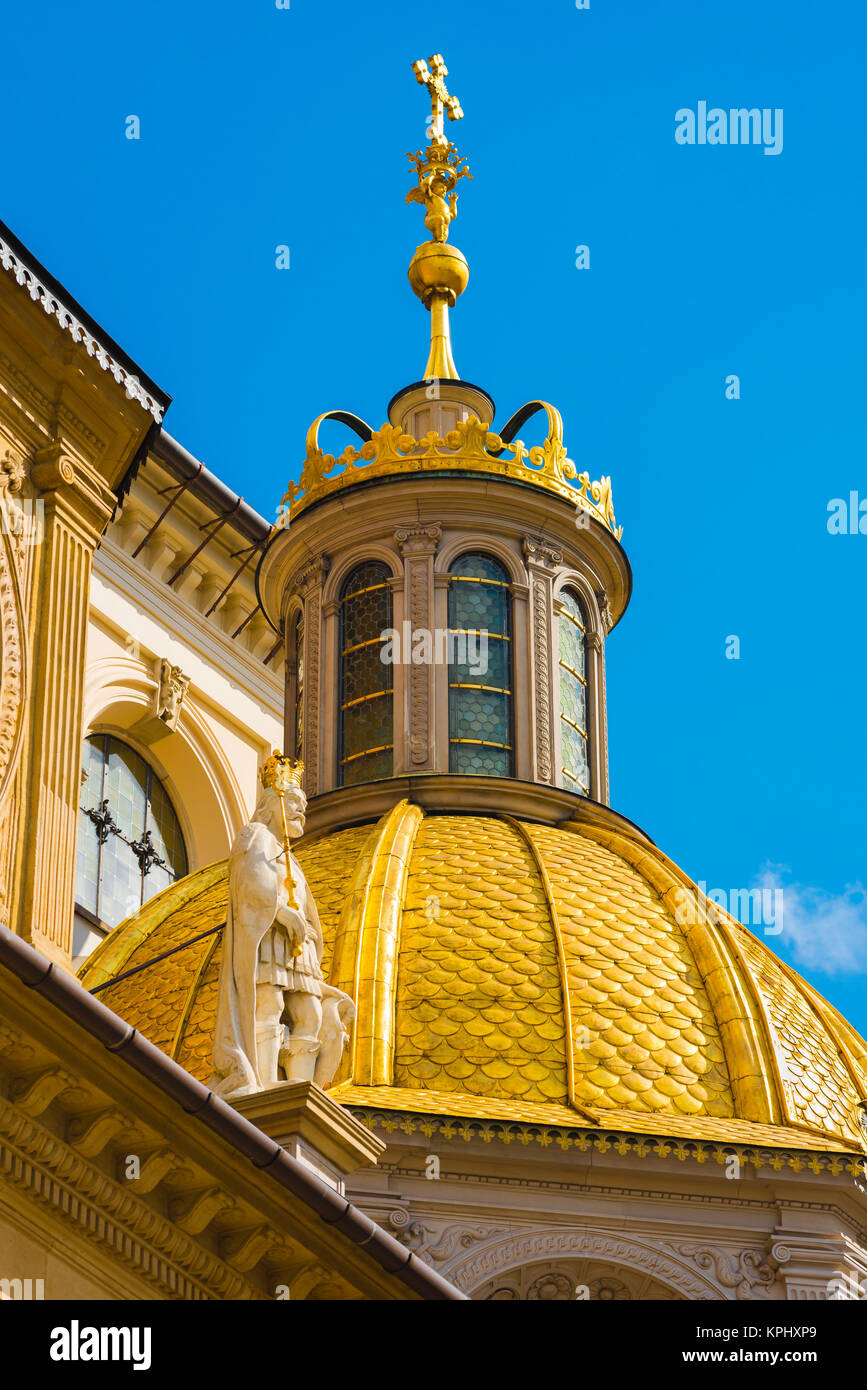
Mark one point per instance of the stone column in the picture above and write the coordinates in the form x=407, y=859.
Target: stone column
x=418, y=546
x=541, y=561
x=77, y=506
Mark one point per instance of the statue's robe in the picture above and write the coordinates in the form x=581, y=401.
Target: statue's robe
x=257, y=891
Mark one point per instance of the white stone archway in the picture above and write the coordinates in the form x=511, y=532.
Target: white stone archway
x=198, y=776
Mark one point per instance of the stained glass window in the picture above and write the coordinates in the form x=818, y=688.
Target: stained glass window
x=572, y=625
x=366, y=740
x=299, y=686
x=480, y=667
x=129, y=841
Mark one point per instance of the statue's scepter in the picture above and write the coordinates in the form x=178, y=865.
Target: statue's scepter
x=280, y=773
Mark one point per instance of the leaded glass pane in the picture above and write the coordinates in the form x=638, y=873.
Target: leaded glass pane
x=114, y=874
x=366, y=682
x=482, y=762
x=165, y=832
x=87, y=863
x=480, y=675
x=126, y=779
x=120, y=882
x=572, y=625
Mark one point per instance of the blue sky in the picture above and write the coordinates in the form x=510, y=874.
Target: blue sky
x=262, y=127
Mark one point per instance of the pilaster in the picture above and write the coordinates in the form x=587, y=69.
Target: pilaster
x=77, y=506
x=418, y=546
x=541, y=561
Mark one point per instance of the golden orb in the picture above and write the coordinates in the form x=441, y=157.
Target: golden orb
x=438, y=267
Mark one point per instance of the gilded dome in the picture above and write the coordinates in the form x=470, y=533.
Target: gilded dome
x=508, y=969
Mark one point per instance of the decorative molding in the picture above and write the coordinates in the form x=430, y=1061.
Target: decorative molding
x=25, y=276
x=604, y=1140
x=542, y=675
x=173, y=686
x=130, y=1231
x=525, y=1247
x=747, y=1272
x=451, y=1241
x=13, y=649
x=418, y=545
x=604, y=610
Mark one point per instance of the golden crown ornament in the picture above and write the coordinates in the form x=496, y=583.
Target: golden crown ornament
x=282, y=772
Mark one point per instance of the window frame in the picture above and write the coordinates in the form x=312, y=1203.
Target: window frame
x=81, y=909
x=344, y=594
x=507, y=691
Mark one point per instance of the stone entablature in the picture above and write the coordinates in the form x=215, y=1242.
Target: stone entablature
x=639, y=1219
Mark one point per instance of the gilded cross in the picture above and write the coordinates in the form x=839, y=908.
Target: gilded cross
x=433, y=78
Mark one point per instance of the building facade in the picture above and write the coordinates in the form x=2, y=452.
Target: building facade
x=570, y=1074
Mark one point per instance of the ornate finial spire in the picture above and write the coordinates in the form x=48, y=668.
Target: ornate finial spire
x=438, y=272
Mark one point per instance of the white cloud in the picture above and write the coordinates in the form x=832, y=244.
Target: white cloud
x=824, y=931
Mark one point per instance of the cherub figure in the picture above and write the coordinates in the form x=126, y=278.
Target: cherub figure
x=438, y=171
x=431, y=192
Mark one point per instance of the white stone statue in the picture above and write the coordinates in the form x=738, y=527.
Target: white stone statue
x=276, y=1017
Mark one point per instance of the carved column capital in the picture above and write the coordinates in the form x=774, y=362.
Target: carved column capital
x=311, y=575
x=12, y=471
x=604, y=610
x=65, y=482
x=418, y=540
x=540, y=554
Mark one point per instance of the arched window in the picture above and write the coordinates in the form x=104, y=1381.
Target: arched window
x=366, y=737
x=129, y=841
x=573, y=693
x=299, y=684
x=480, y=669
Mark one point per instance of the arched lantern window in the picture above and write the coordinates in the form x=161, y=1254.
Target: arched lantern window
x=480, y=669
x=366, y=718
x=574, y=738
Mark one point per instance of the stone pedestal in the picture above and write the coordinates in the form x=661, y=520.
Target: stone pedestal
x=314, y=1129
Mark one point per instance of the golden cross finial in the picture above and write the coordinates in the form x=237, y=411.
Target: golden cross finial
x=433, y=78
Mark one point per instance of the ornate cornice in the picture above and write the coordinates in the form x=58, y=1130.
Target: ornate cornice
x=608, y=1141
x=24, y=275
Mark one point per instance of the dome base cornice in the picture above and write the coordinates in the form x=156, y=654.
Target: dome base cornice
x=450, y=794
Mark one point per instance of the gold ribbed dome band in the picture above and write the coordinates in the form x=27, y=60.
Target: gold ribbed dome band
x=367, y=945
x=561, y=966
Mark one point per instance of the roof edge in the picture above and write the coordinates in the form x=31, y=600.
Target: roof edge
x=56, y=300
x=63, y=991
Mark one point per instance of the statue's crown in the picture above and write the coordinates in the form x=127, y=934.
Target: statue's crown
x=281, y=772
